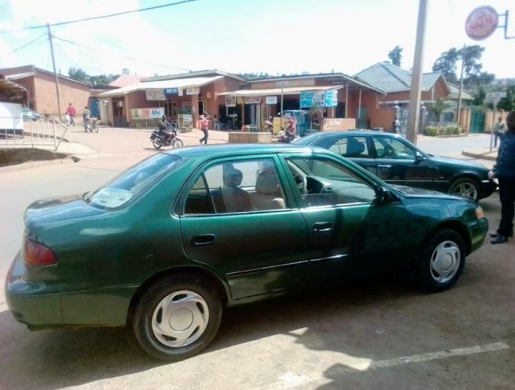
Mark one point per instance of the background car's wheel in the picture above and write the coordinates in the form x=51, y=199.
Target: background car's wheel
x=178, y=143
x=441, y=261
x=157, y=144
x=177, y=317
x=465, y=188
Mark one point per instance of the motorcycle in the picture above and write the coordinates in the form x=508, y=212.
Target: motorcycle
x=269, y=126
x=285, y=137
x=168, y=138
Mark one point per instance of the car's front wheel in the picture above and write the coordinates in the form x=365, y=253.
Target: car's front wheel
x=441, y=261
x=465, y=188
x=177, y=317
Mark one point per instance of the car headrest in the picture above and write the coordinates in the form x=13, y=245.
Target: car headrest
x=267, y=183
x=354, y=147
x=232, y=177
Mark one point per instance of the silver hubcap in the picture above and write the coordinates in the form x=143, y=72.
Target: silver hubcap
x=466, y=190
x=180, y=318
x=445, y=261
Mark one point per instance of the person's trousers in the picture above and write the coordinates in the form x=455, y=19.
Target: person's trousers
x=496, y=138
x=204, y=138
x=507, y=195
x=72, y=121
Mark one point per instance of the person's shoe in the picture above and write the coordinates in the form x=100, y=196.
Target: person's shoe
x=492, y=235
x=498, y=239
x=200, y=141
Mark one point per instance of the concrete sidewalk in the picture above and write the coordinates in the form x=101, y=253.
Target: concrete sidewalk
x=481, y=154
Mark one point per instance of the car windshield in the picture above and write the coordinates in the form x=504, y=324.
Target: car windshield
x=132, y=182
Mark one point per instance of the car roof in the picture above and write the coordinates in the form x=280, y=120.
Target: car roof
x=222, y=150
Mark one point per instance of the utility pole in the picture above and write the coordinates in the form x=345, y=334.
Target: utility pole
x=416, y=78
x=55, y=72
x=458, y=111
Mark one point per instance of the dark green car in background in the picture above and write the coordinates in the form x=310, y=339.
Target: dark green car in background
x=168, y=243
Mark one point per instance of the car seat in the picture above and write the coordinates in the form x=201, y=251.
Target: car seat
x=265, y=197
x=354, y=148
x=234, y=198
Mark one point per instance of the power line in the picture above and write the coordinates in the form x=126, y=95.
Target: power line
x=30, y=43
x=103, y=16
x=124, y=57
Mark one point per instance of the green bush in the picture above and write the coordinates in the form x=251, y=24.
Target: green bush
x=453, y=130
x=431, y=131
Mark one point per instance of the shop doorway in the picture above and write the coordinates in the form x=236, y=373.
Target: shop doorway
x=119, y=117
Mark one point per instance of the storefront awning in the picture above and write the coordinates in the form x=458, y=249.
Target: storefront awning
x=277, y=91
x=192, y=82
x=11, y=92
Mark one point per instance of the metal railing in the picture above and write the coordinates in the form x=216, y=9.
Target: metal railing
x=47, y=132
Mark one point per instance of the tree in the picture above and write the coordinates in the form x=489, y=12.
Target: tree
x=446, y=64
x=508, y=103
x=439, y=107
x=77, y=74
x=395, y=55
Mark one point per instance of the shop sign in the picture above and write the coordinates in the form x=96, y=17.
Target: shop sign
x=155, y=94
x=271, y=100
x=481, y=23
x=252, y=99
x=331, y=98
x=230, y=101
x=171, y=91
x=312, y=99
x=147, y=113
x=192, y=91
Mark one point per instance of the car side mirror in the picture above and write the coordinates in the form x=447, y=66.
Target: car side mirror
x=419, y=157
x=383, y=195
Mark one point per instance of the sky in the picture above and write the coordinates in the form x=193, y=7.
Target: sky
x=240, y=36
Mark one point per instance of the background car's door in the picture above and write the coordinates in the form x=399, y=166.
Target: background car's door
x=350, y=233
x=259, y=246
x=400, y=163
x=358, y=148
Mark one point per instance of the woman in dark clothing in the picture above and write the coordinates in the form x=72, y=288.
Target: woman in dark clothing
x=504, y=170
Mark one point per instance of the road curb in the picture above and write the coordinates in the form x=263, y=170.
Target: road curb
x=478, y=156
x=36, y=164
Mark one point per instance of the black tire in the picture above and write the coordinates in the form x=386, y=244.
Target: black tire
x=451, y=248
x=157, y=144
x=147, y=314
x=463, y=186
x=177, y=143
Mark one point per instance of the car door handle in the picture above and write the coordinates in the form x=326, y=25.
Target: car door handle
x=384, y=166
x=323, y=226
x=204, y=239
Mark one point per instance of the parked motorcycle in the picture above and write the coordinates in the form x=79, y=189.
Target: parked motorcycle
x=168, y=138
x=269, y=126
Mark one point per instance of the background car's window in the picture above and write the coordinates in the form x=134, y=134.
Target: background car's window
x=324, y=182
x=352, y=147
x=392, y=148
x=239, y=186
x=132, y=182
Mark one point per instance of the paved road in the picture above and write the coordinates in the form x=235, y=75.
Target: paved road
x=375, y=334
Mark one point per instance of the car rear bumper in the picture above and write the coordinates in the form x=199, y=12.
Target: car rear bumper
x=32, y=303
x=489, y=187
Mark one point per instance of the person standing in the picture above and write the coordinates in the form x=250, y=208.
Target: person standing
x=498, y=130
x=70, y=111
x=504, y=170
x=86, y=115
x=396, y=125
x=203, y=126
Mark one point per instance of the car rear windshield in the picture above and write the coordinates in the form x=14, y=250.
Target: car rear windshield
x=132, y=182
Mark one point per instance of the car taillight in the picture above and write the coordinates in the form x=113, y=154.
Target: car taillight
x=37, y=255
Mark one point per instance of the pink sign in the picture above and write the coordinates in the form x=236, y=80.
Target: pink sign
x=481, y=23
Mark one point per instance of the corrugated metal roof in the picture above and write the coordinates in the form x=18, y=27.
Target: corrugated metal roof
x=20, y=76
x=455, y=91
x=390, y=78
x=164, y=84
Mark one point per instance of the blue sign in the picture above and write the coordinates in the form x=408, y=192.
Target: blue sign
x=171, y=91
x=311, y=99
x=331, y=98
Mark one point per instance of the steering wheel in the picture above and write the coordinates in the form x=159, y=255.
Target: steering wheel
x=389, y=152
x=302, y=183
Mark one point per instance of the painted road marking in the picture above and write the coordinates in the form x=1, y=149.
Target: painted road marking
x=351, y=364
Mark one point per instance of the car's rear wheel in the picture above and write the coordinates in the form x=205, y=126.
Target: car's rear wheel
x=441, y=261
x=465, y=188
x=177, y=317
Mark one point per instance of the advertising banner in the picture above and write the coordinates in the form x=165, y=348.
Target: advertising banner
x=147, y=113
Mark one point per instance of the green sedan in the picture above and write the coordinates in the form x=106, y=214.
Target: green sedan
x=167, y=244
